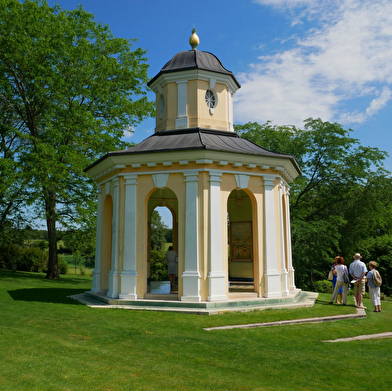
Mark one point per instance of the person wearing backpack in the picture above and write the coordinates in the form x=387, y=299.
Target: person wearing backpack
x=374, y=279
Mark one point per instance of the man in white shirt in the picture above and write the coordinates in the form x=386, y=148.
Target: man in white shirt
x=357, y=271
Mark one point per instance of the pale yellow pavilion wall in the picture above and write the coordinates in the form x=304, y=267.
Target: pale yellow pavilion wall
x=219, y=119
x=199, y=115
x=256, y=187
x=176, y=182
x=121, y=226
x=255, y=192
x=145, y=187
x=168, y=120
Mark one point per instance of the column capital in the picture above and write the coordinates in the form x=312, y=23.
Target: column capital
x=215, y=176
x=130, y=179
x=191, y=175
x=269, y=179
x=116, y=182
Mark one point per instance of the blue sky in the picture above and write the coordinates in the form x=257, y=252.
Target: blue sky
x=328, y=59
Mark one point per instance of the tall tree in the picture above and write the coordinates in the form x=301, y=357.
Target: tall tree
x=158, y=229
x=72, y=89
x=343, y=196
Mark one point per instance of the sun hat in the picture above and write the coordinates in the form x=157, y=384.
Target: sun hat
x=357, y=255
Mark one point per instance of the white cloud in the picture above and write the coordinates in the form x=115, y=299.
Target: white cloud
x=347, y=54
x=375, y=105
x=128, y=133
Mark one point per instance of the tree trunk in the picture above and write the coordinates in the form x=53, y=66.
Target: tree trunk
x=53, y=264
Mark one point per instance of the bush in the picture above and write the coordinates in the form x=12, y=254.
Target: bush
x=322, y=286
x=9, y=254
x=63, y=266
x=159, y=266
x=32, y=259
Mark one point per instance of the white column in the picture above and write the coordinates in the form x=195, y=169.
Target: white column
x=191, y=275
x=283, y=271
x=129, y=273
x=98, y=243
x=271, y=273
x=230, y=110
x=182, y=116
x=113, y=274
x=216, y=275
x=290, y=269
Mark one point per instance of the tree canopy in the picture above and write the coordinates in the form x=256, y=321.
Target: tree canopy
x=342, y=199
x=68, y=91
x=158, y=231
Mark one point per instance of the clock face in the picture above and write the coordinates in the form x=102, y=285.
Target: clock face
x=210, y=99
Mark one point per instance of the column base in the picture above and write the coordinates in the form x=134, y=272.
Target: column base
x=113, y=285
x=128, y=285
x=272, y=284
x=284, y=283
x=191, y=286
x=217, y=286
x=96, y=282
x=292, y=286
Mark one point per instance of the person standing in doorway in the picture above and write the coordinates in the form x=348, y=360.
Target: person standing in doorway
x=357, y=271
x=172, y=263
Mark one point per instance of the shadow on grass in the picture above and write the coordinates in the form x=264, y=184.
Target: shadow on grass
x=46, y=295
x=327, y=303
x=64, y=279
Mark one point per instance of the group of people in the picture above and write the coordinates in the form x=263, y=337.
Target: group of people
x=357, y=271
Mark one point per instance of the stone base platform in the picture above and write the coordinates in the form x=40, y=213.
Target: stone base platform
x=237, y=302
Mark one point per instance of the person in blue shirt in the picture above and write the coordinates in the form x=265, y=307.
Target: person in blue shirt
x=358, y=271
x=374, y=290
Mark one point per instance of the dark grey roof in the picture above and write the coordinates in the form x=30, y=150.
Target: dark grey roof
x=194, y=59
x=196, y=139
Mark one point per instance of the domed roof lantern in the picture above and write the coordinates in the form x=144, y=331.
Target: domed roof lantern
x=194, y=90
x=194, y=59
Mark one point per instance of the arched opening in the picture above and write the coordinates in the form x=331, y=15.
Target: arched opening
x=240, y=237
x=162, y=234
x=106, y=243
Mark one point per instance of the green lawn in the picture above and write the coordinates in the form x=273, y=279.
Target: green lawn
x=49, y=342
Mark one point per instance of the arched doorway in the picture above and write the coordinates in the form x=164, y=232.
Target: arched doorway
x=162, y=225
x=240, y=238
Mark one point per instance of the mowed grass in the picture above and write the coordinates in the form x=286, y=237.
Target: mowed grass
x=50, y=342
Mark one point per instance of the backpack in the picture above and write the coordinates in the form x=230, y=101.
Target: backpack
x=377, y=280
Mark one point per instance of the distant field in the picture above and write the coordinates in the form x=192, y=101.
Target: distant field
x=76, y=265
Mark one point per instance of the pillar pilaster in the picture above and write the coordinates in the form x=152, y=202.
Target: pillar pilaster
x=113, y=274
x=129, y=273
x=216, y=275
x=271, y=273
x=283, y=271
x=289, y=259
x=98, y=243
x=191, y=275
x=182, y=115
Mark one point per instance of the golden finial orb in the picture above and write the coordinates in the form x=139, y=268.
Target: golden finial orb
x=194, y=39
